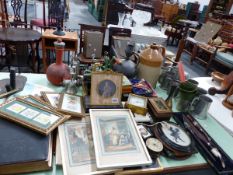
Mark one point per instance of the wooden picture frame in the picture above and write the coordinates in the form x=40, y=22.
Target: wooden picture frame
x=71, y=104
x=31, y=115
x=51, y=97
x=159, y=105
x=117, y=138
x=37, y=101
x=137, y=104
x=106, y=88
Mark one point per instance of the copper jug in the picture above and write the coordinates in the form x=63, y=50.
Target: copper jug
x=151, y=60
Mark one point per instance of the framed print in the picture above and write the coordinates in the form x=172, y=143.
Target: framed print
x=71, y=104
x=117, y=140
x=51, y=97
x=138, y=104
x=31, y=115
x=77, y=148
x=106, y=88
x=37, y=101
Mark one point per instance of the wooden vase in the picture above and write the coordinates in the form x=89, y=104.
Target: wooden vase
x=57, y=72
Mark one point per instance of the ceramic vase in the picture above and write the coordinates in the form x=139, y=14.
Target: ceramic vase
x=57, y=72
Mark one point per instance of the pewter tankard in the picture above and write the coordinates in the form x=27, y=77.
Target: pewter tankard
x=200, y=106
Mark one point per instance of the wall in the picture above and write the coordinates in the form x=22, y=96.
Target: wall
x=201, y=2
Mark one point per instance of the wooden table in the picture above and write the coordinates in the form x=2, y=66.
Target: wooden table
x=48, y=38
x=24, y=36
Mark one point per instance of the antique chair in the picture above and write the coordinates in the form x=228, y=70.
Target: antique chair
x=113, y=9
x=223, y=55
x=175, y=32
x=85, y=28
x=19, y=55
x=189, y=45
x=17, y=7
x=3, y=14
x=48, y=20
x=118, y=32
x=155, y=8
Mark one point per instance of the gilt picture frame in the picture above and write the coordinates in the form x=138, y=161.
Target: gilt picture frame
x=51, y=97
x=31, y=115
x=137, y=104
x=106, y=88
x=71, y=104
x=117, y=138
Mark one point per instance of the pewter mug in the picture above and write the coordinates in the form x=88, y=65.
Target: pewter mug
x=200, y=106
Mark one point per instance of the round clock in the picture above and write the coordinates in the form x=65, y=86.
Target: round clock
x=154, y=146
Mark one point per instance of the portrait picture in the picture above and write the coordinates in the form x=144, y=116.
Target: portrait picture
x=79, y=143
x=143, y=131
x=116, y=135
x=106, y=88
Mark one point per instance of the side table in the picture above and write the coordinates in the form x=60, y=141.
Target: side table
x=48, y=38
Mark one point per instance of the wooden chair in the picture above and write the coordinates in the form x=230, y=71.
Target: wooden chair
x=17, y=7
x=48, y=20
x=83, y=28
x=175, y=32
x=223, y=58
x=120, y=32
x=113, y=8
x=189, y=45
x=4, y=22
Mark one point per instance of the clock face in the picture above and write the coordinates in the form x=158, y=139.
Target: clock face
x=154, y=145
x=176, y=134
x=137, y=101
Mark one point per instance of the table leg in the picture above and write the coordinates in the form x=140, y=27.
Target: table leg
x=44, y=56
x=38, y=56
x=33, y=57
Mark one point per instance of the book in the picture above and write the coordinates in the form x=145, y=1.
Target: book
x=23, y=150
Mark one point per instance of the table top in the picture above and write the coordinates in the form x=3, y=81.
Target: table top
x=19, y=35
x=196, y=161
x=68, y=35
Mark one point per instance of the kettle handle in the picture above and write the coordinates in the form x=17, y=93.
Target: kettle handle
x=137, y=58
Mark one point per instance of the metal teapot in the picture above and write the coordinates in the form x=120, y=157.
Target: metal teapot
x=127, y=66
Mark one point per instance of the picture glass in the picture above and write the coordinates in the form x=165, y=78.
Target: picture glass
x=106, y=88
x=71, y=103
x=176, y=134
x=53, y=99
x=79, y=143
x=117, y=141
x=31, y=114
x=116, y=135
x=137, y=101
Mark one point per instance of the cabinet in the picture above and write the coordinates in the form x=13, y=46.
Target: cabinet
x=169, y=11
x=218, y=8
x=96, y=8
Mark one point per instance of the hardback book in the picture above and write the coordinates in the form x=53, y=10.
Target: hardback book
x=23, y=150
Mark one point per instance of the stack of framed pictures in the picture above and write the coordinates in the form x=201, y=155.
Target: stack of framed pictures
x=117, y=140
x=65, y=103
x=30, y=115
x=77, y=148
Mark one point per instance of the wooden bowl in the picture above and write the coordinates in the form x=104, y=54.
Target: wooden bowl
x=217, y=76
